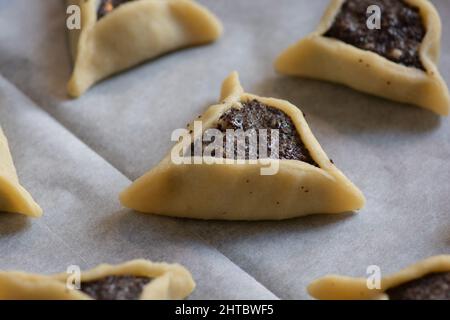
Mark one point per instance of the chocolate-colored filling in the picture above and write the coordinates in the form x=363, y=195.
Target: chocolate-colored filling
x=107, y=6
x=115, y=287
x=256, y=115
x=399, y=38
x=434, y=286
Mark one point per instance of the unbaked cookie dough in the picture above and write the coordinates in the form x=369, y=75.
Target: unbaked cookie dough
x=13, y=197
x=426, y=280
x=133, y=280
x=307, y=181
x=118, y=34
x=398, y=61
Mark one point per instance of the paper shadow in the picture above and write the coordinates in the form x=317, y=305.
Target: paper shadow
x=181, y=232
x=48, y=68
x=348, y=111
x=141, y=229
x=249, y=229
x=11, y=223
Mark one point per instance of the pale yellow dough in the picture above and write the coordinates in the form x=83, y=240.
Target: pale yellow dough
x=239, y=191
x=133, y=33
x=170, y=282
x=13, y=197
x=333, y=60
x=335, y=287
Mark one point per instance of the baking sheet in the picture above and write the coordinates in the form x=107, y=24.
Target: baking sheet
x=397, y=154
x=83, y=223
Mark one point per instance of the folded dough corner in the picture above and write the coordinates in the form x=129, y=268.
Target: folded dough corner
x=397, y=62
x=428, y=279
x=115, y=38
x=13, y=197
x=236, y=191
x=133, y=280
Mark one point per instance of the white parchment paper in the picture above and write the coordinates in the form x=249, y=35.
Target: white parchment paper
x=397, y=154
x=83, y=222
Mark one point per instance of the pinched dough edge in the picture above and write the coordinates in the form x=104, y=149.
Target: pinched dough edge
x=336, y=287
x=13, y=197
x=333, y=60
x=170, y=282
x=134, y=32
x=239, y=191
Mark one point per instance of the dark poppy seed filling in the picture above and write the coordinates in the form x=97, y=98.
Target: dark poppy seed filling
x=115, y=287
x=107, y=6
x=399, y=39
x=434, y=286
x=256, y=115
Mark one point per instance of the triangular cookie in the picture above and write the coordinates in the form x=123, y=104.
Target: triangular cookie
x=426, y=280
x=398, y=61
x=119, y=34
x=133, y=280
x=13, y=197
x=306, y=182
